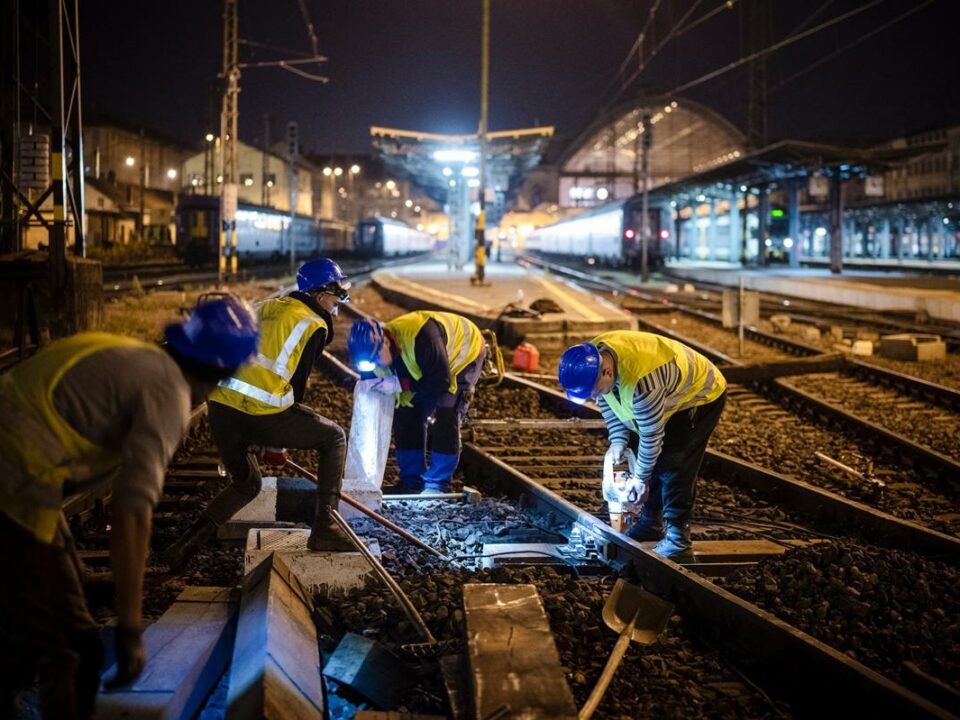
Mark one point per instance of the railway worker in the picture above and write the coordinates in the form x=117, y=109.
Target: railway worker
x=438, y=358
x=671, y=397
x=262, y=406
x=90, y=407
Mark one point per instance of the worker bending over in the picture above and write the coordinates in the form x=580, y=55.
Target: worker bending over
x=669, y=395
x=438, y=358
x=262, y=406
x=85, y=409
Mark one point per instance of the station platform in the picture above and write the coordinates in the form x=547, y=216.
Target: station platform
x=431, y=286
x=902, y=291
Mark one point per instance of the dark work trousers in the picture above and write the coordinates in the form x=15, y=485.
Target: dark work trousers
x=45, y=627
x=410, y=433
x=673, y=485
x=300, y=427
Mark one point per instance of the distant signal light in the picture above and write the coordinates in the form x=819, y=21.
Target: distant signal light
x=629, y=234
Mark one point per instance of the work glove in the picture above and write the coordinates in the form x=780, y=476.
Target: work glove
x=131, y=656
x=387, y=385
x=616, y=453
x=277, y=457
x=405, y=399
x=636, y=490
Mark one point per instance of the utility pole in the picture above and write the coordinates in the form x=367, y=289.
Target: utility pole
x=645, y=220
x=228, y=142
x=757, y=16
x=265, y=166
x=293, y=150
x=480, y=253
x=143, y=182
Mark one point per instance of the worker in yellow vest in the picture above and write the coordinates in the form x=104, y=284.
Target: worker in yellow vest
x=438, y=358
x=83, y=410
x=262, y=406
x=671, y=397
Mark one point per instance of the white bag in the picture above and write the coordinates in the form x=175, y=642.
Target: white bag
x=370, y=429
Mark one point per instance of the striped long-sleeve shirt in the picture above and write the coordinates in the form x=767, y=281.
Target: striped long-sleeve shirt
x=649, y=409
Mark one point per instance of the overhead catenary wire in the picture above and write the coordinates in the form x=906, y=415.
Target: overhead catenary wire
x=789, y=40
x=852, y=44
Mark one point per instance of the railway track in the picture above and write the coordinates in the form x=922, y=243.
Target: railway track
x=721, y=656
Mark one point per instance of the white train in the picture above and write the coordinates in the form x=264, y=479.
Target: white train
x=609, y=235
x=383, y=237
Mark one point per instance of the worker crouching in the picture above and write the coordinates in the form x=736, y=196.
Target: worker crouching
x=261, y=406
x=438, y=358
x=670, y=396
x=90, y=408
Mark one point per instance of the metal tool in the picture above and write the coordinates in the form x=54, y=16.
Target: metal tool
x=493, y=368
x=372, y=514
x=622, y=504
x=430, y=645
x=638, y=616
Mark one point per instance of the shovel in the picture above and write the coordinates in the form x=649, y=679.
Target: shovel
x=637, y=615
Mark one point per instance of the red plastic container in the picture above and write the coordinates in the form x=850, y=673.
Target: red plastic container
x=526, y=357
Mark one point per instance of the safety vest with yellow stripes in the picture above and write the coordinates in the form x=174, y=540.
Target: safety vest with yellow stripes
x=263, y=386
x=33, y=435
x=464, y=341
x=640, y=353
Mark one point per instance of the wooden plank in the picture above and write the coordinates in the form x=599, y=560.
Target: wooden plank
x=513, y=660
x=715, y=551
x=187, y=651
x=275, y=672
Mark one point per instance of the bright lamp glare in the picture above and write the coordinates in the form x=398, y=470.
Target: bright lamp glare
x=576, y=400
x=452, y=155
x=366, y=366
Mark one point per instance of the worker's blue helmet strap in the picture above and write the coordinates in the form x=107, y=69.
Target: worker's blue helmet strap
x=364, y=343
x=579, y=371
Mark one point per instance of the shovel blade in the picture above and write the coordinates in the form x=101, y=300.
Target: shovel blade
x=371, y=670
x=628, y=600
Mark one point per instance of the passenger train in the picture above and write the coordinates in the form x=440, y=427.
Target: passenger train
x=383, y=237
x=263, y=234
x=608, y=235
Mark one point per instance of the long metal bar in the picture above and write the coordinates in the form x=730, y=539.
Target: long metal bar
x=409, y=608
x=373, y=515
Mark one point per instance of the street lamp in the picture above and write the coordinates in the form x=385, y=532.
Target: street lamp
x=354, y=170
x=338, y=171
x=208, y=137
x=172, y=174
x=129, y=161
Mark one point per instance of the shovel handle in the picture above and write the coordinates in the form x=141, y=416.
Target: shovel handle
x=373, y=515
x=613, y=662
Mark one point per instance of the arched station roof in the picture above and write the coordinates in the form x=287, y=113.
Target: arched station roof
x=688, y=138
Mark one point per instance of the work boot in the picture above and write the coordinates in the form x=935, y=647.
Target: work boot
x=326, y=534
x=177, y=555
x=647, y=527
x=676, y=544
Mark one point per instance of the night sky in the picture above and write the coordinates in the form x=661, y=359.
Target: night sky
x=415, y=64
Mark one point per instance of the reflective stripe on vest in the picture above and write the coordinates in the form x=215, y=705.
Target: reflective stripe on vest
x=639, y=353
x=464, y=342
x=39, y=450
x=263, y=387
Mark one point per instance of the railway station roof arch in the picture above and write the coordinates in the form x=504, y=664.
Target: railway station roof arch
x=687, y=138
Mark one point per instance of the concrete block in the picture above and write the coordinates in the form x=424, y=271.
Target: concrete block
x=811, y=334
x=912, y=347
x=281, y=502
x=188, y=649
x=842, y=348
x=372, y=499
x=731, y=310
x=319, y=571
x=689, y=288
x=275, y=669
x=862, y=347
x=836, y=332
x=870, y=335
x=780, y=322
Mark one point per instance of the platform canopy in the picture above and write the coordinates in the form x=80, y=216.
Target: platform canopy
x=431, y=159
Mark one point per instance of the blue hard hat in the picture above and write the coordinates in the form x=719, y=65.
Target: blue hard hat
x=579, y=370
x=219, y=333
x=323, y=274
x=364, y=343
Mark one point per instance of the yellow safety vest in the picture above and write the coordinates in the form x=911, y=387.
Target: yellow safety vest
x=464, y=341
x=640, y=353
x=48, y=450
x=263, y=387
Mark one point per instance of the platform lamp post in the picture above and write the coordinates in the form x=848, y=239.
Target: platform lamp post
x=480, y=254
x=645, y=220
x=337, y=172
x=354, y=171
